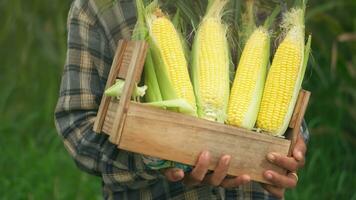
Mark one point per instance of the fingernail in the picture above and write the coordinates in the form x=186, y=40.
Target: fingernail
x=246, y=179
x=269, y=176
x=271, y=157
x=205, y=154
x=227, y=160
x=298, y=155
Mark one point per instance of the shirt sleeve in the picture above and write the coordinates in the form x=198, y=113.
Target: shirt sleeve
x=80, y=94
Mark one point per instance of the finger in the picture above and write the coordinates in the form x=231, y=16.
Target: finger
x=200, y=169
x=220, y=171
x=174, y=174
x=275, y=191
x=299, y=149
x=235, y=182
x=283, y=181
x=285, y=162
x=301, y=162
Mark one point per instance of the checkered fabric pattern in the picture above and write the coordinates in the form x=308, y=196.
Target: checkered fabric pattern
x=94, y=29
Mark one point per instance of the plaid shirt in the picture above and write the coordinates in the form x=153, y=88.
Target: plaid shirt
x=94, y=29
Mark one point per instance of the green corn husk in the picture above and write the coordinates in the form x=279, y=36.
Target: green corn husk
x=156, y=79
x=180, y=104
x=205, y=110
x=244, y=102
x=117, y=88
x=165, y=84
x=300, y=78
x=140, y=32
x=293, y=30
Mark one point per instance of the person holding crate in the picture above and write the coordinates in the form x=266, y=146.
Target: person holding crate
x=94, y=29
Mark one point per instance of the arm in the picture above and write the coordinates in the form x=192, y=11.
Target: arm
x=81, y=89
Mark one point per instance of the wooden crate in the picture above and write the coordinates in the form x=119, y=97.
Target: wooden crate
x=174, y=136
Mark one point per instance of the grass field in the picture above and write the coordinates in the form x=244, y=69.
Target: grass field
x=35, y=165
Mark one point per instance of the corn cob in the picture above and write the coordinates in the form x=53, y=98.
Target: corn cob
x=285, y=76
x=247, y=88
x=140, y=32
x=172, y=68
x=246, y=92
x=210, y=67
x=166, y=73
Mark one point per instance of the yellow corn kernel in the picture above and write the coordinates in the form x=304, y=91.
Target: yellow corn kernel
x=212, y=70
x=212, y=66
x=249, y=80
x=281, y=87
x=170, y=46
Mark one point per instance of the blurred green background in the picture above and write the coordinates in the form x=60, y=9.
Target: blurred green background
x=35, y=165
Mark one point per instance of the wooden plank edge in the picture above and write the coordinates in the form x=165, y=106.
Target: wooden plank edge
x=136, y=62
x=105, y=100
x=303, y=101
x=132, y=132
x=139, y=109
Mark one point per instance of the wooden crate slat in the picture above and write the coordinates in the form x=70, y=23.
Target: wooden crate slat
x=174, y=136
x=135, y=65
x=165, y=115
x=298, y=116
x=127, y=60
x=119, y=69
x=120, y=51
x=110, y=116
x=171, y=138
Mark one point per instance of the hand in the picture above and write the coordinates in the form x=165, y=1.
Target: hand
x=199, y=174
x=291, y=164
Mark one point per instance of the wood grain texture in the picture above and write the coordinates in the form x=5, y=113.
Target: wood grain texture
x=178, y=137
x=135, y=62
x=127, y=60
x=115, y=67
x=174, y=136
x=297, y=117
x=123, y=59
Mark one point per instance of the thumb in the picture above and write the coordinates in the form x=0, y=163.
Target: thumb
x=173, y=174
